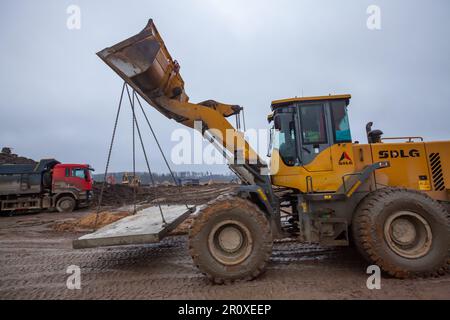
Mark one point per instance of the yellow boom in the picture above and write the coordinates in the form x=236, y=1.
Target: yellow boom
x=144, y=62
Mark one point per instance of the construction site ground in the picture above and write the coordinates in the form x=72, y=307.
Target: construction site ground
x=36, y=251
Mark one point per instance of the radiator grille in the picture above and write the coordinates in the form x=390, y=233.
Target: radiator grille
x=436, y=172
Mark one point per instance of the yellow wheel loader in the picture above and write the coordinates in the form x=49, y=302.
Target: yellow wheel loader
x=389, y=197
x=131, y=180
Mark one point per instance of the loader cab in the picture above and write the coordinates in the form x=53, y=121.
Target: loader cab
x=304, y=128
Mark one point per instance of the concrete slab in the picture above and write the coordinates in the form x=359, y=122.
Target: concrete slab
x=144, y=227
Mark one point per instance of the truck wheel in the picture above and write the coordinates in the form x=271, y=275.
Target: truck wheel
x=230, y=240
x=66, y=204
x=404, y=232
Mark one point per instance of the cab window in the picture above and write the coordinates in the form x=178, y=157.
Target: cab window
x=285, y=138
x=341, y=126
x=313, y=124
x=78, y=173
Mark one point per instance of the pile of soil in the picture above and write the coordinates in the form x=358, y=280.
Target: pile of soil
x=116, y=195
x=183, y=228
x=120, y=195
x=11, y=158
x=91, y=221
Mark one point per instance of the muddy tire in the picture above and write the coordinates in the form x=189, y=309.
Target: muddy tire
x=230, y=240
x=66, y=204
x=404, y=232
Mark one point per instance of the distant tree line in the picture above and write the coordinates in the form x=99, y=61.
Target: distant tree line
x=166, y=177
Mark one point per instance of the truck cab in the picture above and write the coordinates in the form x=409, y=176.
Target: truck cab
x=76, y=176
x=72, y=181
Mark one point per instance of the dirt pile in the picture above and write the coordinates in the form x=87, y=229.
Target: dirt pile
x=183, y=228
x=91, y=221
x=120, y=195
x=116, y=195
x=10, y=158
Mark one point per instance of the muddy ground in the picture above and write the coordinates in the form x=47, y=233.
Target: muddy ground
x=34, y=258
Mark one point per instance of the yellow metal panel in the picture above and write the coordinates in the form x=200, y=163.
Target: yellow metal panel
x=323, y=181
x=362, y=156
x=443, y=148
x=408, y=163
x=409, y=167
x=442, y=174
x=322, y=162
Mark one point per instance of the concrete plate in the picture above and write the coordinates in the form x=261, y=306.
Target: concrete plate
x=144, y=227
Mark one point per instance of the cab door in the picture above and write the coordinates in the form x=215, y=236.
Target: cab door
x=79, y=178
x=314, y=142
x=342, y=150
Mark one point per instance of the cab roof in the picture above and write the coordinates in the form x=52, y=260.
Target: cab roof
x=72, y=165
x=283, y=102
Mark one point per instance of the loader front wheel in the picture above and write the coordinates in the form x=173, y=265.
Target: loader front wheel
x=230, y=240
x=404, y=232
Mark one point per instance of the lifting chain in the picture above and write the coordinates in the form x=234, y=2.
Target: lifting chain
x=135, y=127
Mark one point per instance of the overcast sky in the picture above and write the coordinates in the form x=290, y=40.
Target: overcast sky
x=58, y=98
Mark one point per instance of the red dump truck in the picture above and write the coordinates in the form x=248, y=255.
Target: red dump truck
x=46, y=185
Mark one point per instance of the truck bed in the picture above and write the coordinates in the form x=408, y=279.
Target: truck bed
x=24, y=179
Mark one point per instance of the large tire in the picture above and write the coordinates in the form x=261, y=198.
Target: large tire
x=230, y=240
x=66, y=204
x=404, y=232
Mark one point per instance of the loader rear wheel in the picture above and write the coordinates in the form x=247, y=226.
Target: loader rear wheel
x=404, y=232
x=230, y=240
x=65, y=204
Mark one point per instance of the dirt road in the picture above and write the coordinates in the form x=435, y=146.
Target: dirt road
x=34, y=259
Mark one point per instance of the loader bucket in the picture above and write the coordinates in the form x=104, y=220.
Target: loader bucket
x=144, y=62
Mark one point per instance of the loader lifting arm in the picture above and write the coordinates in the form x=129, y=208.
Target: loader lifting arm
x=144, y=62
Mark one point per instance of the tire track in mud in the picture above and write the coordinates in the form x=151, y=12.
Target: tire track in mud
x=113, y=272
x=33, y=265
